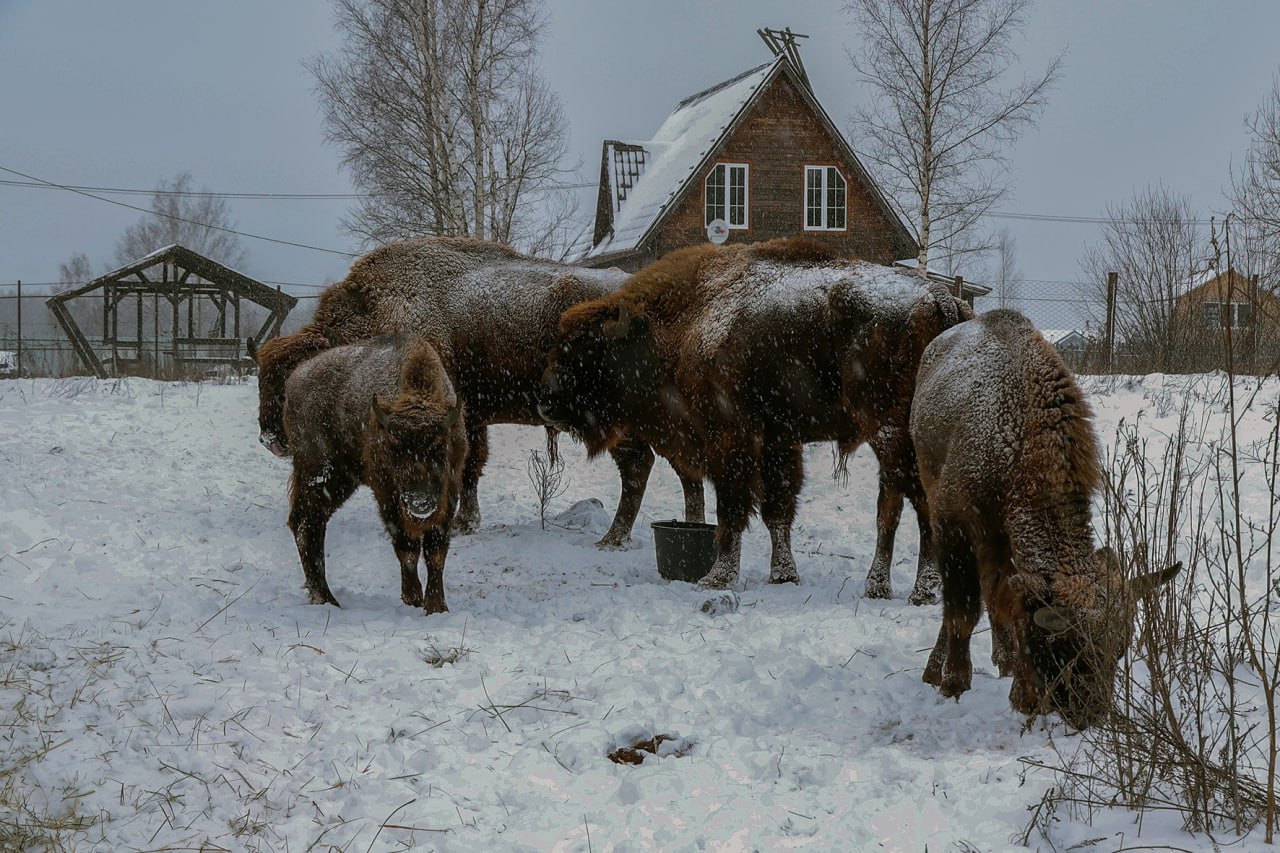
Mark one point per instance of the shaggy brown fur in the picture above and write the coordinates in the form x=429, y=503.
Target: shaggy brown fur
x=728, y=359
x=382, y=413
x=491, y=314
x=276, y=359
x=1010, y=465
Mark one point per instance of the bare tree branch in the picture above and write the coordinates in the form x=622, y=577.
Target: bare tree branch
x=444, y=120
x=935, y=135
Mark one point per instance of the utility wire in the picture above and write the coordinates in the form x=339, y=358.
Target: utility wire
x=177, y=218
x=42, y=185
x=36, y=183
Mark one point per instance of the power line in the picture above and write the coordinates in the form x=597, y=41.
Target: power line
x=185, y=193
x=39, y=185
x=178, y=218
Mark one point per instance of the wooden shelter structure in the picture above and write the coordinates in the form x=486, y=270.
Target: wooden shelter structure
x=192, y=305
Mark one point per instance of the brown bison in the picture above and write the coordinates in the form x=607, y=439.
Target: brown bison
x=491, y=315
x=726, y=360
x=1010, y=465
x=382, y=413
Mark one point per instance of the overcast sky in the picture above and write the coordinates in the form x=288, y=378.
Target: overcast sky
x=126, y=93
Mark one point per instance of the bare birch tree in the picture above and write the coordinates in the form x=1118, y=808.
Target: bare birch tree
x=196, y=219
x=1156, y=246
x=1005, y=279
x=1255, y=195
x=444, y=120
x=936, y=131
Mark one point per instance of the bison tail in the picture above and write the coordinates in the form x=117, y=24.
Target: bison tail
x=947, y=304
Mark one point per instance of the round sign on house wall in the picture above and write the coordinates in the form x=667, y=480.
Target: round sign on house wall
x=717, y=231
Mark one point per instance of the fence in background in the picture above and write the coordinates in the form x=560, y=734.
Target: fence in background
x=1075, y=324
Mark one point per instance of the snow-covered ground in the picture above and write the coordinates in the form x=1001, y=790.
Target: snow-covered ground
x=164, y=683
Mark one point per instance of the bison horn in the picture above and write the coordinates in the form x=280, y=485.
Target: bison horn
x=618, y=328
x=251, y=347
x=379, y=412
x=1055, y=619
x=452, y=417
x=1143, y=584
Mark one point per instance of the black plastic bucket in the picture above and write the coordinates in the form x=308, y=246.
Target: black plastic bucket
x=685, y=549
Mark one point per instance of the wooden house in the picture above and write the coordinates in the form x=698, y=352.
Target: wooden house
x=752, y=158
x=1229, y=303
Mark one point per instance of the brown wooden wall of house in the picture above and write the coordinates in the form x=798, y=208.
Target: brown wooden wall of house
x=777, y=140
x=1256, y=344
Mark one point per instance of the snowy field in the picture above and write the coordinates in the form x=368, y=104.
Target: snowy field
x=164, y=685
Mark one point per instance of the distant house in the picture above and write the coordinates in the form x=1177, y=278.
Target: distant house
x=749, y=159
x=1072, y=344
x=1222, y=303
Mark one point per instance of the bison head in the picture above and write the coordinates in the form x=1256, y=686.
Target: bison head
x=418, y=447
x=1075, y=651
x=600, y=363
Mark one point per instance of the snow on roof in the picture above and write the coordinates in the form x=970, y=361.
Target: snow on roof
x=948, y=279
x=1057, y=336
x=698, y=123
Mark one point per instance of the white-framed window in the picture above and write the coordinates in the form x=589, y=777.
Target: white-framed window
x=726, y=194
x=1238, y=314
x=825, y=199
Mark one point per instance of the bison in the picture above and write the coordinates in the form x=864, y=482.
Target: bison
x=727, y=359
x=383, y=413
x=491, y=314
x=1010, y=464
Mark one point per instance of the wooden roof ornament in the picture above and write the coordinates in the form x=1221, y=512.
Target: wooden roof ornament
x=177, y=277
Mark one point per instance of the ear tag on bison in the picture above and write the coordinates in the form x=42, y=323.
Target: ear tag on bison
x=1054, y=619
x=618, y=328
x=379, y=412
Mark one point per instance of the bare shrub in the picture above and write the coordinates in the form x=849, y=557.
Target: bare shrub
x=546, y=474
x=1194, y=725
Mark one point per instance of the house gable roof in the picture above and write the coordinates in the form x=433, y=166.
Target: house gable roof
x=647, y=180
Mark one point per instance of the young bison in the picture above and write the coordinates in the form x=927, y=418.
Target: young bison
x=726, y=360
x=382, y=413
x=1010, y=464
x=491, y=315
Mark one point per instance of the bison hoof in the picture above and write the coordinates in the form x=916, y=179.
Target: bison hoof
x=322, y=597
x=434, y=607
x=784, y=576
x=878, y=587
x=613, y=541
x=717, y=580
x=953, y=684
x=923, y=595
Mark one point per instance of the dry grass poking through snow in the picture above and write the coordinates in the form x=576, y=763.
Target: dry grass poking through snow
x=1194, y=732
x=31, y=817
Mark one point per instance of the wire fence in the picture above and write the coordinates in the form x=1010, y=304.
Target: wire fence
x=1077, y=324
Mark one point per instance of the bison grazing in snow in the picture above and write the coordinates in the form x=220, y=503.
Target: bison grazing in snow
x=491, y=315
x=726, y=360
x=1010, y=464
x=382, y=413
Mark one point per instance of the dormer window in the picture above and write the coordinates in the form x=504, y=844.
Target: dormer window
x=726, y=194
x=825, y=202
